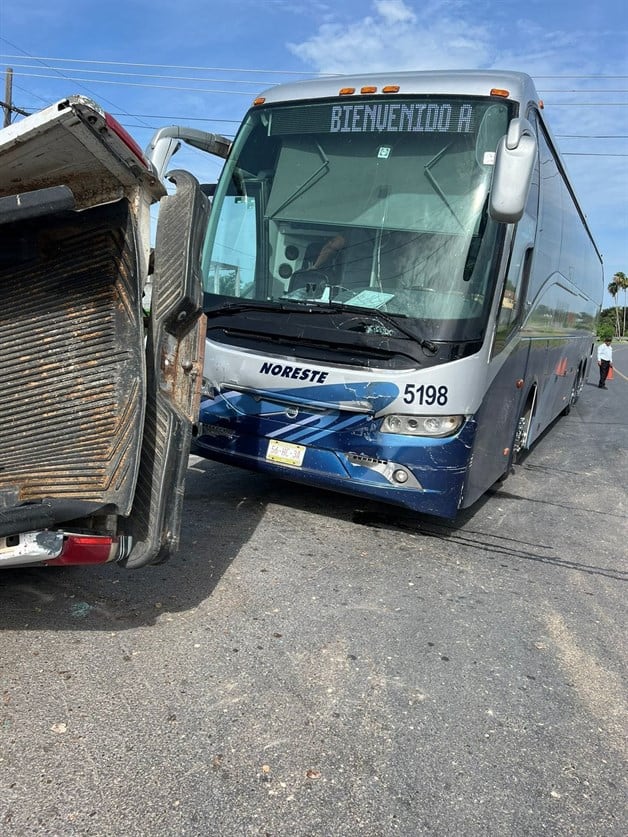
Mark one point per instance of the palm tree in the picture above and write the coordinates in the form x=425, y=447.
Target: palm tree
x=621, y=280
x=613, y=290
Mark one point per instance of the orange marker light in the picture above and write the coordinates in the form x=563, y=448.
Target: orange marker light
x=496, y=91
x=391, y=88
x=370, y=89
x=346, y=91
x=259, y=101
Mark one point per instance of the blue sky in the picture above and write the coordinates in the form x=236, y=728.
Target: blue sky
x=201, y=62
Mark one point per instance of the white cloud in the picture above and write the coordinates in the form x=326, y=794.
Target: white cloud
x=394, y=38
x=394, y=11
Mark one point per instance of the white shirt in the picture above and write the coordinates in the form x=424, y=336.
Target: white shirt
x=605, y=352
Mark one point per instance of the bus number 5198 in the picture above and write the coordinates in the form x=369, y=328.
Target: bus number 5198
x=427, y=395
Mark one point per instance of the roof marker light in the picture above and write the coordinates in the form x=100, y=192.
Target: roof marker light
x=497, y=91
x=346, y=91
x=390, y=88
x=369, y=89
x=259, y=101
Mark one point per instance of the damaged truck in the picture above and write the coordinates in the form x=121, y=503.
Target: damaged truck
x=97, y=395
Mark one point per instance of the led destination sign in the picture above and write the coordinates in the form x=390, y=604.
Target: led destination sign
x=398, y=116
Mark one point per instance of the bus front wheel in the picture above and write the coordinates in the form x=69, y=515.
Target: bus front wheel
x=519, y=442
x=575, y=391
x=522, y=430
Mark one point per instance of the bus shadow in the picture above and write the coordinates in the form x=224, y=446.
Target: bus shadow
x=470, y=530
x=489, y=544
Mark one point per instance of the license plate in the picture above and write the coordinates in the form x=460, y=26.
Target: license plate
x=285, y=452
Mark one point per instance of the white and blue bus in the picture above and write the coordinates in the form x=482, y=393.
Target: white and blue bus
x=400, y=286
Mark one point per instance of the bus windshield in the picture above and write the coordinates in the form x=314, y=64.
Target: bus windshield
x=370, y=203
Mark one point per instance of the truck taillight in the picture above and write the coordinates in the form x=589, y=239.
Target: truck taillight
x=85, y=549
x=126, y=138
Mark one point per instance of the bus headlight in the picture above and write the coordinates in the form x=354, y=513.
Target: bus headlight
x=422, y=425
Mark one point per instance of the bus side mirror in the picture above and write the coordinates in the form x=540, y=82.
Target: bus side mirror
x=165, y=143
x=514, y=162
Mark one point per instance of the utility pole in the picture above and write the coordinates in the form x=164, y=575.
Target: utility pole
x=7, y=106
x=8, y=94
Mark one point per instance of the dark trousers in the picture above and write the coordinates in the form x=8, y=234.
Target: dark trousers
x=605, y=365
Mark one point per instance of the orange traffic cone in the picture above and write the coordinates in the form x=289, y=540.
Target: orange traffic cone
x=609, y=377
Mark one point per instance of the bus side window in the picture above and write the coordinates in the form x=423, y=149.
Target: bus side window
x=513, y=298
x=512, y=305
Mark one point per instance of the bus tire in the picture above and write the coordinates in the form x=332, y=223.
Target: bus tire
x=522, y=430
x=576, y=388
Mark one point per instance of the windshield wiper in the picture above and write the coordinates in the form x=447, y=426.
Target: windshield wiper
x=334, y=307
x=313, y=306
x=436, y=186
x=239, y=307
x=313, y=178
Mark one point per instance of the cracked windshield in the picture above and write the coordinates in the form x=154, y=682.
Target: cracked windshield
x=366, y=204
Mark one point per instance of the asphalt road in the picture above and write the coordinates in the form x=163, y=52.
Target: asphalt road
x=309, y=666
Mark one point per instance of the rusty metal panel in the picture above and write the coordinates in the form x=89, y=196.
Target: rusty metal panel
x=175, y=349
x=72, y=377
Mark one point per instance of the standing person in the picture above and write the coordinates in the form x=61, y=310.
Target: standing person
x=604, y=360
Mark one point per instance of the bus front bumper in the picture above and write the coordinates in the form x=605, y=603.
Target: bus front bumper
x=432, y=484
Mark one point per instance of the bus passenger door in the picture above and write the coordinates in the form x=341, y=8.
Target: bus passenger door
x=497, y=421
x=504, y=399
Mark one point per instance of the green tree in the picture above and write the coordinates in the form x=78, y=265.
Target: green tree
x=613, y=289
x=621, y=280
x=606, y=324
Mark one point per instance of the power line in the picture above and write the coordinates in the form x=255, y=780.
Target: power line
x=258, y=83
x=240, y=69
x=151, y=86
x=589, y=90
x=245, y=70
x=165, y=66
x=589, y=154
x=30, y=93
x=580, y=77
x=178, y=88
x=181, y=119
x=13, y=108
x=41, y=61
x=241, y=81
x=586, y=104
x=147, y=75
x=591, y=136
